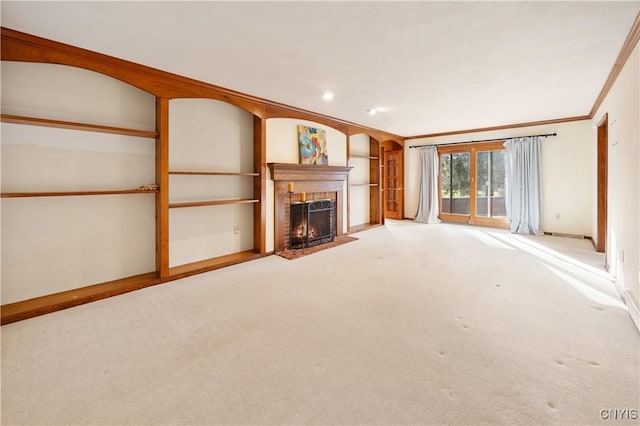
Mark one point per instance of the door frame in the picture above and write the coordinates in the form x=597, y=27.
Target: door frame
x=471, y=218
x=392, y=146
x=602, y=170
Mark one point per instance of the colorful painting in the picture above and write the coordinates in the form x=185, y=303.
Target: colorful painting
x=313, y=146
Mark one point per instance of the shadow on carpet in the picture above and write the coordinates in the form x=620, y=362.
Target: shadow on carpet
x=292, y=254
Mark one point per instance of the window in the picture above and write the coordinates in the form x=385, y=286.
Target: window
x=454, y=187
x=490, y=173
x=472, y=184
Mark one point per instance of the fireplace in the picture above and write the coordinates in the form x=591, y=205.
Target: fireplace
x=312, y=223
x=318, y=183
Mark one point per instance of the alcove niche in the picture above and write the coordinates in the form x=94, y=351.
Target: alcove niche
x=359, y=180
x=364, y=182
x=72, y=215
x=211, y=180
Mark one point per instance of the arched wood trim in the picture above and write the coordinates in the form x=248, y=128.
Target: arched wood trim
x=18, y=46
x=376, y=134
x=391, y=145
x=273, y=111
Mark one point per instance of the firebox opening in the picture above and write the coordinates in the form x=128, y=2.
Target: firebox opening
x=312, y=222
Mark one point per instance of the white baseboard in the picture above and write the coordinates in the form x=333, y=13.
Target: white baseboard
x=628, y=300
x=633, y=309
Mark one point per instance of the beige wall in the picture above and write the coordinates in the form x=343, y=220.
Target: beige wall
x=567, y=173
x=622, y=105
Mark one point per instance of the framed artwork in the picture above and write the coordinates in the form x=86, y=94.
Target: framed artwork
x=313, y=146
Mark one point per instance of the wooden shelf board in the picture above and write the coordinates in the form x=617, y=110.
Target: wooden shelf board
x=43, y=122
x=185, y=270
x=18, y=311
x=214, y=173
x=363, y=227
x=367, y=157
x=75, y=193
x=210, y=203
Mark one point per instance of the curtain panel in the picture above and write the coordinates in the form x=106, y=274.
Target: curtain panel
x=428, y=208
x=523, y=188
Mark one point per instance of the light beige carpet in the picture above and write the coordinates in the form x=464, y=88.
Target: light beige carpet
x=411, y=324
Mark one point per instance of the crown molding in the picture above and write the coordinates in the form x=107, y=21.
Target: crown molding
x=626, y=50
x=507, y=126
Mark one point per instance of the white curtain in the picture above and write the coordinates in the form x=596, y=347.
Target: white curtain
x=428, y=197
x=523, y=199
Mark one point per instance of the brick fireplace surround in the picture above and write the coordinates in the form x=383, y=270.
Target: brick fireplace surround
x=317, y=181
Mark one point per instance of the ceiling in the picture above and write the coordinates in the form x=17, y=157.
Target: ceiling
x=429, y=66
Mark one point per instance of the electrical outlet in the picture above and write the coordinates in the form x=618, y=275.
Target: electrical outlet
x=236, y=229
x=557, y=215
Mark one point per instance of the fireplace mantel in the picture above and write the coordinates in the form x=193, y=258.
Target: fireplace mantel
x=294, y=172
x=326, y=181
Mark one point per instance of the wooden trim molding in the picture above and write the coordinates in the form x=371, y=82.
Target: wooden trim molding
x=19, y=46
x=162, y=179
x=502, y=127
x=295, y=172
x=602, y=183
x=260, y=183
x=12, y=312
x=627, y=48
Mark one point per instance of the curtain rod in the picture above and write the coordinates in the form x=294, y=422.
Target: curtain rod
x=483, y=140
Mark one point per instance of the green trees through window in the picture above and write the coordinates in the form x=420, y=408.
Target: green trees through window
x=454, y=182
x=490, y=173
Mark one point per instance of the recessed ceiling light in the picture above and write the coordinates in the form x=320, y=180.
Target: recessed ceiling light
x=372, y=111
x=327, y=96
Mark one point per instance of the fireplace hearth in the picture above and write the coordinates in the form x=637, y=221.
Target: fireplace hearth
x=312, y=223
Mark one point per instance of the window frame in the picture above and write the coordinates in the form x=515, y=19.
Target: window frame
x=472, y=149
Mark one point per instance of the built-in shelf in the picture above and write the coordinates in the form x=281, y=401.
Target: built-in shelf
x=75, y=193
x=214, y=173
x=211, y=203
x=367, y=157
x=371, y=165
x=43, y=122
x=185, y=270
